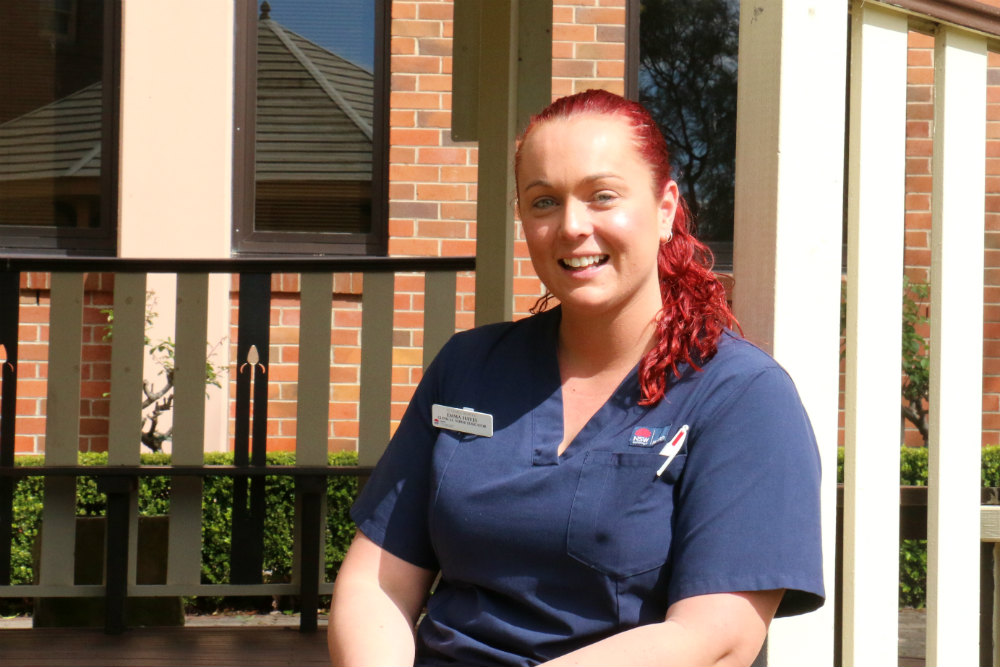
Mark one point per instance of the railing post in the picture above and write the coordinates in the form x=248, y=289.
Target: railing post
x=956, y=308
x=787, y=250
x=310, y=566
x=875, y=230
x=116, y=550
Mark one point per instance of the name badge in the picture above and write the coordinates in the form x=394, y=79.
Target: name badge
x=463, y=420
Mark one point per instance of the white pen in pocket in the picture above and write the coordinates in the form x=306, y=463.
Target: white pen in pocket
x=671, y=448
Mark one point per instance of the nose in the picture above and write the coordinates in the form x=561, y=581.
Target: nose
x=575, y=220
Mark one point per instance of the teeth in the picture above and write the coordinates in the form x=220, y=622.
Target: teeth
x=582, y=262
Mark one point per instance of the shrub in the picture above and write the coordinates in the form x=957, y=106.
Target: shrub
x=217, y=496
x=913, y=553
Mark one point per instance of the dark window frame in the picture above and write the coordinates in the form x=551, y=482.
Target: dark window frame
x=103, y=240
x=250, y=242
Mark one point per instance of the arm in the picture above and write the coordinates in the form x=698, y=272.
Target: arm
x=377, y=598
x=717, y=629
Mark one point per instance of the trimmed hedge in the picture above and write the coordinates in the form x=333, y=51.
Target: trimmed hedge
x=217, y=502
x=913, y=553
x=154, y=498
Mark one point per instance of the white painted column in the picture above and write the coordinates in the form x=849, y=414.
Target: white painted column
x=176, y=165
x=875, y=205
x=957, y=246
x=788, y=236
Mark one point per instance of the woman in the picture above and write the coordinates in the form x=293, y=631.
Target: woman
x=617, y=480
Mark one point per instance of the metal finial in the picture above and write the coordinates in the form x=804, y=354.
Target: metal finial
x=265, y=11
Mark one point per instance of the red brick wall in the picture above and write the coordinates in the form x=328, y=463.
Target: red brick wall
x=32, y=367
x=919, y=152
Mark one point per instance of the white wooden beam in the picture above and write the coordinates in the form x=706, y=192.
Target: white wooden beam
x=788, y=236
x=957, y=247
x=875, y=204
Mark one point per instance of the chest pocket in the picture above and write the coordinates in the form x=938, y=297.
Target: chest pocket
x=620, y=522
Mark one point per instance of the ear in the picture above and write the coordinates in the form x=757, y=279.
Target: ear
x=668, y=209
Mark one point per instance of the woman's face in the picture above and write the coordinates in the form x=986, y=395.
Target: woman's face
x=591, y=221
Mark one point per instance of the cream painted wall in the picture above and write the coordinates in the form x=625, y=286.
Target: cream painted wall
x=176, y=156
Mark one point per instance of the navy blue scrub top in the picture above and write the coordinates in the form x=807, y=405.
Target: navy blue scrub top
x=541, y=554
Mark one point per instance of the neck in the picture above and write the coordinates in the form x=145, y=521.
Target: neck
x=593, y=345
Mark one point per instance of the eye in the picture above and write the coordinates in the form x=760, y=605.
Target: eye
x=543, y=203
x=605, y=197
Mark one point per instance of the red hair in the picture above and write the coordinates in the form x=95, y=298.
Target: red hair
x=695, y=310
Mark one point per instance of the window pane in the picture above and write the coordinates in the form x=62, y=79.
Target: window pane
x=314, y=128
x=687, y=79
x=51, y=113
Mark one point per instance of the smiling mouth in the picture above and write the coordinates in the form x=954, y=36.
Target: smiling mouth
x=577, y=263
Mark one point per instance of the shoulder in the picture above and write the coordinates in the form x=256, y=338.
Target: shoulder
x=501, y=336
x=737, y=358
x=498, y=351
x=736, y=354
x=738, y=370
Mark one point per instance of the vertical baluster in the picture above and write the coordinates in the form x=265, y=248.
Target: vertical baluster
x=439, y=311
x=313, y=400
x=376, y=367
x=312, y=429
x=62, y=428
x=188, y=447
x=252, y=359
x=124, y=444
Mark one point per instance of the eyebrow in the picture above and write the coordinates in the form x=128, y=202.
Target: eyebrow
x=589, y=179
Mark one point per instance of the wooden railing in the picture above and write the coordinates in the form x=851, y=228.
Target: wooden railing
x=119, y=477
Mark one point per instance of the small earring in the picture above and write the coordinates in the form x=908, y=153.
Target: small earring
x=670, y=235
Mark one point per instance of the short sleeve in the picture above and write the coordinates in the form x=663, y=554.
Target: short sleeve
x=748, y=513
x=392, y=508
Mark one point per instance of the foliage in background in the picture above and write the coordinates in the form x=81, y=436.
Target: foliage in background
x=913, y=553
x=916, y=352
x=217, y=503
x=687, y=79
x=160, y=400
x=916, y=356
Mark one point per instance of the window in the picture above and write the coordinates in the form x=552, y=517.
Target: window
x=682, y=67
x=311, y=127
x=59, y=125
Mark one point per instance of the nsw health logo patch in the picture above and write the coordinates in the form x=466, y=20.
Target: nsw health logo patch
x=647, y=436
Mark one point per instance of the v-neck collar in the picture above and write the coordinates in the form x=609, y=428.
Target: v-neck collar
x=546, y=392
